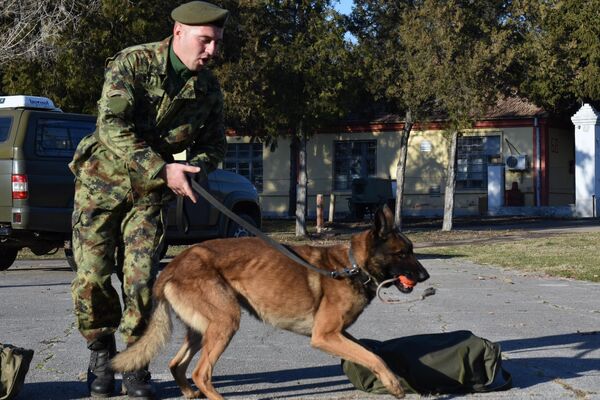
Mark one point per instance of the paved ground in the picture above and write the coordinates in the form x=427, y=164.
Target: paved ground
x=549, y=331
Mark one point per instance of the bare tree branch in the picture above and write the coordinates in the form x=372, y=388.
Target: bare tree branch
x=30, y=28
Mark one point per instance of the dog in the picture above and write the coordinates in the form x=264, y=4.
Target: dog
x=207, y=284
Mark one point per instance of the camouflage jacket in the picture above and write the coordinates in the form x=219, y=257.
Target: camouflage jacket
x=141, y=125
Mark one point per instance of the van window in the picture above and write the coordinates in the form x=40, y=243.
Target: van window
x=5, y=123
x=59, y=138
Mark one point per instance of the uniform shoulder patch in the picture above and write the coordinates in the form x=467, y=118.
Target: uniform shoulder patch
x=117, y=101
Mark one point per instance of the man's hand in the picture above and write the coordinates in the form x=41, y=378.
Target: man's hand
x=174, y=176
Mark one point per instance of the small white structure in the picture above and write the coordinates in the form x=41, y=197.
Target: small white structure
x=587, y=161
x=495, y=187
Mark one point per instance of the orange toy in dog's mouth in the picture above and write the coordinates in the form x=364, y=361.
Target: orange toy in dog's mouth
x=406, y=281
x=404, y=284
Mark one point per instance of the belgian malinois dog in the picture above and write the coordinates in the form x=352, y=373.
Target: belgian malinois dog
x=207, y=284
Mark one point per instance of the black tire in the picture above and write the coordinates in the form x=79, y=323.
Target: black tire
x=8, y=256
x=234, y=230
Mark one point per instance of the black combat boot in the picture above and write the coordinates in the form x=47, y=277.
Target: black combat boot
x=100, y=377
x=136, y=384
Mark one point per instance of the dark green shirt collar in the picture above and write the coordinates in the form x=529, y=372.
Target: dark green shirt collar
x=178, y=68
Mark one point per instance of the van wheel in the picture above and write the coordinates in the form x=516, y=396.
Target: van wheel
x=69, y=255
x=7, y=257
x=235, y=231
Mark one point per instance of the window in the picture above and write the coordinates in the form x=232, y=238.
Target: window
x=246, y=159
x=353, y=159
x=473, y=155
x=4, y=128
x=59, y=138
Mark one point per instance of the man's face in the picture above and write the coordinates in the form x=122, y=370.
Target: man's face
x=196, y=45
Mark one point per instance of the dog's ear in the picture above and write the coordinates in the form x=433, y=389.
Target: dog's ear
x=384, y=222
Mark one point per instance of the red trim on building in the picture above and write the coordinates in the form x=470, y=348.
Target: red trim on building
x=541, y=174
x=545, y=145
x=435, y=125
x=534, y=164
x=502, y=123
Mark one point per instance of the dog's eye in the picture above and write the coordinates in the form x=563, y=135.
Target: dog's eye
x=400, y=254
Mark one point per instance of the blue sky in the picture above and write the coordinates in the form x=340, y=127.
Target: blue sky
x=344, y=6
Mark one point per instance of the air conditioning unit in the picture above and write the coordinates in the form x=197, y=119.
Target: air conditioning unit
x=517, y=163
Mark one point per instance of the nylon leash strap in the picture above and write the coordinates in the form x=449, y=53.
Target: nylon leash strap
x=256, y=232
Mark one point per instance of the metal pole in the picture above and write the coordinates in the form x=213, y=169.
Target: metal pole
x=538, y=164
x=331, y=207
x=319, y=213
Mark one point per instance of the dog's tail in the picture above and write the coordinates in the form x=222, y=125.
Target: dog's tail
x=144, y=350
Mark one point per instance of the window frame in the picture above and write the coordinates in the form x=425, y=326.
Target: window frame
x=257, y=178
x=368, y=165
x=67, y=124
x=477, y=162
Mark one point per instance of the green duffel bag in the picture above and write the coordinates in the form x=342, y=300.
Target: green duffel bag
x=14, y=364
x=453, y=362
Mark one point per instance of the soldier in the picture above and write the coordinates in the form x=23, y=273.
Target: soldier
x=158, y=99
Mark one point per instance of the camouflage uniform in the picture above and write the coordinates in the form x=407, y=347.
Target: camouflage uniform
x=143, y=119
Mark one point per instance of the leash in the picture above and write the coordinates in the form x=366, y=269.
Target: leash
x=346, y=272
x=430, y=291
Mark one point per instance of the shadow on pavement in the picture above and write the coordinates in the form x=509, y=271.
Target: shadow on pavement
x=57, y=390
x=527, y=371
x=530, y=371
x=294, y=378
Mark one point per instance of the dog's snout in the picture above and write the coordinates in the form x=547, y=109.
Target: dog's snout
x=422, y=274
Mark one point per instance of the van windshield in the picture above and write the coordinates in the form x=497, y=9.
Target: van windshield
x=5, y=123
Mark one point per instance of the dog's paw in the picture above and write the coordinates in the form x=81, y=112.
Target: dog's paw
x=395, y=389
x=193, y=394
x=399, y=394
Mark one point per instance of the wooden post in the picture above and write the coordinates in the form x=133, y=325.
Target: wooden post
x=331, y=207
x=319, y=213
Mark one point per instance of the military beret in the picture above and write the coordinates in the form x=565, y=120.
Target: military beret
x=200, y=13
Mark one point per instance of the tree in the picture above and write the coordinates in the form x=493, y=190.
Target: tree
x=463, y=50
x=385, y=62
x=289, y=75
x=74, y=79
x=562, y=39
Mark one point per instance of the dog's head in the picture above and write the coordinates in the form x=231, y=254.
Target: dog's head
x=390, y=254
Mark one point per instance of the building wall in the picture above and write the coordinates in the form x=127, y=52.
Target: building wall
x=425, y=169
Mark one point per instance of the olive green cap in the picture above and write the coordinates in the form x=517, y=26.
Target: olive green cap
x=200, y=13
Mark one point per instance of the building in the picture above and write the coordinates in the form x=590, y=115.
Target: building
x=517, y=160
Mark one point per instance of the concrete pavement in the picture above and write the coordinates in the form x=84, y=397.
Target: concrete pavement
x=549, y=331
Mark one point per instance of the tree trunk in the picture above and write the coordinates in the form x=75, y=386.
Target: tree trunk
x=302, y=186
x=450, y=184
x=401, y=169
x=292, y=195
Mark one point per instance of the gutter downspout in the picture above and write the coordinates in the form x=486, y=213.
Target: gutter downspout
x=538, y=163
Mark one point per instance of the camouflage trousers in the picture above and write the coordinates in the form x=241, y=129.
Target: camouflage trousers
x=127, y=240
